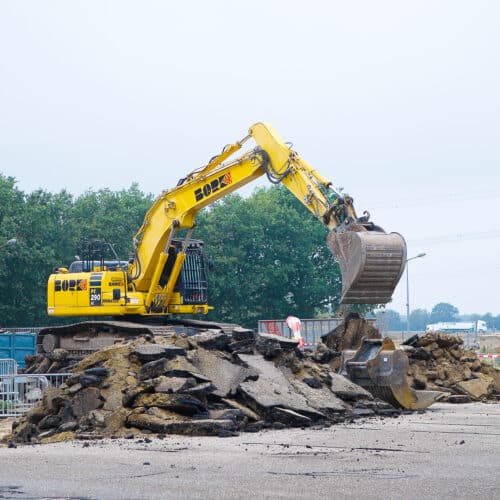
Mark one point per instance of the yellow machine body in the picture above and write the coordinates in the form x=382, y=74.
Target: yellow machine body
x=104, y=294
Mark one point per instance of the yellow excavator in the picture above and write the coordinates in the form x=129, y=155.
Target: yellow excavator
x=167, y=274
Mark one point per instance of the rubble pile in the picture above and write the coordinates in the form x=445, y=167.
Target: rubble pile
x=221, y=383
x=212, y=383
x=58, y=361
x=439, y=362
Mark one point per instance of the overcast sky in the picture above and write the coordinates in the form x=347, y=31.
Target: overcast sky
x=396, y=101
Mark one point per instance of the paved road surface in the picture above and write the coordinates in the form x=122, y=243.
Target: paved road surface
x=451, y=451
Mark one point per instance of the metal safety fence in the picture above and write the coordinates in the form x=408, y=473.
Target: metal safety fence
x=20, y=392
x=21, y=329
x=311, y=330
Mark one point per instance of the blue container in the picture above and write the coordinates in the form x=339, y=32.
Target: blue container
x=17, y=346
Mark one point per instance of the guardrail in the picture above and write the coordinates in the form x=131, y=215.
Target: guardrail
x=23, y=329
x=311, y=330
x=20, y=392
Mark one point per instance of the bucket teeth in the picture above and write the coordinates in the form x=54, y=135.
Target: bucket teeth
x=371, y=263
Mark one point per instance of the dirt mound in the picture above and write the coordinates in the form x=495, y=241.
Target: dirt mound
x=439, y=362
x=212, y=383
x=350, y=334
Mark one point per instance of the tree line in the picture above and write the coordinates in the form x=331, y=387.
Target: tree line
x=441, y=312
x=268, y=253
x=49, y=229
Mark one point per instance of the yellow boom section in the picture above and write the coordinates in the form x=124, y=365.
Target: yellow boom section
x=176, y=209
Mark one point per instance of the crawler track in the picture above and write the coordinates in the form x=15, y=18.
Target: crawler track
x=83, y=338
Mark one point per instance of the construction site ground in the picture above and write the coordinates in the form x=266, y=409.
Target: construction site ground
x=450, y=451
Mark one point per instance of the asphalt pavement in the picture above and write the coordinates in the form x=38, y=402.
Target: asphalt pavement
x=450, y=451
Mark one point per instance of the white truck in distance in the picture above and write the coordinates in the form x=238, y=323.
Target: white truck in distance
x=458, y=327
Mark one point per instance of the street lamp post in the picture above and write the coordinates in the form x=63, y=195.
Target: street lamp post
x=408, y=291
x=12, y=241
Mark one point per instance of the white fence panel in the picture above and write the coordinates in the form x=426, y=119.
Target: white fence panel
x=18, y=392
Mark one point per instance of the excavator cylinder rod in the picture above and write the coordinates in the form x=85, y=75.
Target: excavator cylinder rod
x=371, y=263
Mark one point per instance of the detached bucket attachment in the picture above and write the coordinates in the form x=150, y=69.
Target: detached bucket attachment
x=381, y=369
x=371, y=263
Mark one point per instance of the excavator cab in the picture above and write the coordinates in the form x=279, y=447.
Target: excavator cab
x=371, y=262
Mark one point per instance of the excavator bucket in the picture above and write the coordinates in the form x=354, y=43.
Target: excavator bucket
x=371, y=263
x=381, y=369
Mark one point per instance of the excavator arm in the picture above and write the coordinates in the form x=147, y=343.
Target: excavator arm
x=371, y=260
x=167, y=276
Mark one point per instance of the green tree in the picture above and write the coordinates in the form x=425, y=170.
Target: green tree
x=43, y=241
x=49, y=228
x=419, y=319
x=443, y=312
x=495, y=323
x=35, y=220
x=270, y=258
x=110, y=216
x=11, y=218
x=388, y=320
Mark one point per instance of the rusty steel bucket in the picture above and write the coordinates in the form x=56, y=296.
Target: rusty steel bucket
x=381, y=369
x=371, y=263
